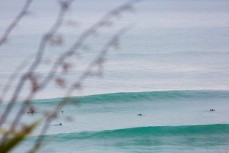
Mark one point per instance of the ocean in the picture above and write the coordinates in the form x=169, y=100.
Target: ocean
x=171, y=121
x=156, y=90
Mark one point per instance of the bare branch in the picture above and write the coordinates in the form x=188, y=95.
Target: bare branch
x=15, y=22
x=12, y=78
x=60, y=63
x=85, y=35
x=36, y=62
x=75, y=85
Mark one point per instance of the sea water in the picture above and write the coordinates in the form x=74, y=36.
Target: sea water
x=172, y=67
x=170, y=121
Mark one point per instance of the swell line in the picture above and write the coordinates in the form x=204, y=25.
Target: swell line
x=154, y=131
x=142, y=96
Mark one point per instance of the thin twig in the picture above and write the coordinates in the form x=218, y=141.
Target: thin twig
x=86, y=34
x=80, y=80
x=36, y=62
x=12, y=77
x=30, y=76
x=15, y=22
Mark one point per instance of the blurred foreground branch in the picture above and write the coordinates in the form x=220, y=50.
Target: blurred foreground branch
x=15, y=22
x=94, y=68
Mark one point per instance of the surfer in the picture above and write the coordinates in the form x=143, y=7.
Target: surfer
x=139, y=114
x=31, y=112
x=212, y=110
x=60, y=124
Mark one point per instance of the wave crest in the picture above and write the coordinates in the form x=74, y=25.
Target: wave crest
x=178, y=131
x=143, y=96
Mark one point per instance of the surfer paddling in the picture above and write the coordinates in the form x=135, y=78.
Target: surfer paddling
x=31, y=112
x=139, y=114
x=60, y=124
x=212, y=110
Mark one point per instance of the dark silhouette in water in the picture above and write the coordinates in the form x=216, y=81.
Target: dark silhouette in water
x=62, y=112
x=139, y=114
x=60, y=124
x=31, y=112
x=212, y=110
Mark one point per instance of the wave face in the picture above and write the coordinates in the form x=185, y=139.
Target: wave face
x=155, y=95
x=178, y=131
x=171, y=121
x=159, y=108
x=137, y=96
x=202, y=138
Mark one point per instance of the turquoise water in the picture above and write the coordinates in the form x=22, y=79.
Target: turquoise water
x=199, y=138
x=171, y=121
